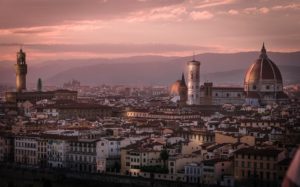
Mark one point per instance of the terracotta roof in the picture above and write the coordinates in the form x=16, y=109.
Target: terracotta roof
x=258, y=152
x=263, y=69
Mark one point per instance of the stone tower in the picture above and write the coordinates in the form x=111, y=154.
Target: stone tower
x=21, y=71
x=193, y=82
x=39, y=85
x=182, y=91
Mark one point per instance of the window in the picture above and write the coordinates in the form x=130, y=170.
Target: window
x=261, y=165
x=274, y=176
x=254, y=87
x=268, y=175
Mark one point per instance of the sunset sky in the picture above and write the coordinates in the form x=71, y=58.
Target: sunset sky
x=69, y=29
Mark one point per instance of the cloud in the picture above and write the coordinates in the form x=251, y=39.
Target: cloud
x=293, y=6
x=264, y=10
x=233, y=12
x=32, y=13
x=255, y=10
x=213, y=3
x=38, y=51
x=33, y=30
x=201, y=15
x=110, y=48
x=169, y=13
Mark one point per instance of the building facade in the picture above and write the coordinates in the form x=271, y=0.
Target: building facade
x=257, y=164
x=193, y=82
x=216, y=95
x=26, y=149
x=82, y=156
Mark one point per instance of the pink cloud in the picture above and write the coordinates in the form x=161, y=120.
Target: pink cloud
x=255, y=10
x=168, y=13
x=264, y=10
x=201, y=15
x=213, y=3
x=233, y=12
x=293, y=6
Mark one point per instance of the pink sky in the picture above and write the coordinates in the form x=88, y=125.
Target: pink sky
x=67, y=29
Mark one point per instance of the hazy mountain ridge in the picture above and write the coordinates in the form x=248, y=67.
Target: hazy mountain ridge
x=216, y=67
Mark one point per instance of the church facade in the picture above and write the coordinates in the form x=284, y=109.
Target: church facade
x=263, y=85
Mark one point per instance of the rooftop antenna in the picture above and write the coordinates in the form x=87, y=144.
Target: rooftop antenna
x=21, y=47
x=193, y=55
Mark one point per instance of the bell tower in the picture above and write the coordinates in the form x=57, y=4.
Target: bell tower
x=21, y=71
x=193, y=82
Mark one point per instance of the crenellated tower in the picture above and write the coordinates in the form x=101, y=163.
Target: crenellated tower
x=21, y=71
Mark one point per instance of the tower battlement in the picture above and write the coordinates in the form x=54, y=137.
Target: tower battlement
x=21, y=71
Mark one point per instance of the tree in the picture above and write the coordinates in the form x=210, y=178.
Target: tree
x=39, y=85
x=164, y=155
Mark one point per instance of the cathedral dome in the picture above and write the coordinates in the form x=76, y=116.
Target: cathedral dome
x=263, y=71
x=263, y=82
x=178, y=87
x=175, y=88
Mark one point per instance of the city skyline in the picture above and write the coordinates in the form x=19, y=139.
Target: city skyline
x=149, y=93
x=108, y=28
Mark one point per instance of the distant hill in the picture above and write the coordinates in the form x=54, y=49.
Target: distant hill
x=236, y=77
x=157, y=70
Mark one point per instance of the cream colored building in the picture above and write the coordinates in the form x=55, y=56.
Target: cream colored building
x=177, y=163
x=226, y=138
x=26, y=148
x=133, y=157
